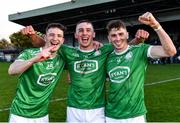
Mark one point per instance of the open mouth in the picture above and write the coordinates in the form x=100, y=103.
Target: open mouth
x=54, y=43
x=85, y=40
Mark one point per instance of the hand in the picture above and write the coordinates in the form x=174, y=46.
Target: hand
x=37, y=41
x=148, y=19
x=97, y=45
x=28, y=30
x=141, y=35
x=44, y=54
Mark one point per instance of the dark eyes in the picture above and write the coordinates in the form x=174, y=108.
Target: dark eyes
x=119, y=34
x=87, y=30
x=58, y=35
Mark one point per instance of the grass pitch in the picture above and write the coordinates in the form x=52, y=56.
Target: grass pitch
x=162, y=95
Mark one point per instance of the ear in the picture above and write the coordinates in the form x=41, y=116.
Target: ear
x=109, y=38
x=75, y=35
x=62, y=41
x=45, y=38
x=94, y=35
x=127, y=35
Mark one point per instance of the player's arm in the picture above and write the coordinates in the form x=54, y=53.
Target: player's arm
x=167, y=47
x=29, y=31
x=97, y=45
x=140, y=37
x=19, y=66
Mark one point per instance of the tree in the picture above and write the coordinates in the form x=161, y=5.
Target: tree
x=21, y=41
x=3, y=43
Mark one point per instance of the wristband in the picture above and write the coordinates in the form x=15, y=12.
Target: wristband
x=158, y=28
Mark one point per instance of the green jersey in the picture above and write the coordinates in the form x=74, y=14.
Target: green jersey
x=35, y=85
x=126, y=71
x=87, y=73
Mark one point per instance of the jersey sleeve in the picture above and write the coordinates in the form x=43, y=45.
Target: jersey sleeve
x=62, y=51
x=66, y=51
x=145, y=50
x=107, y=48
x=23, y=55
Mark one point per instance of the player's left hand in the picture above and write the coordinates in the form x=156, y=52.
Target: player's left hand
x=148, y=19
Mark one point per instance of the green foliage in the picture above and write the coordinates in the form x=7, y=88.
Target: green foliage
x=21, y=41
x=3, y=43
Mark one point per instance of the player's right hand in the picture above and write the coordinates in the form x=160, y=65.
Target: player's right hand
x=44, y=54
x=28, y=30
x=141, y=35
x=97, y=45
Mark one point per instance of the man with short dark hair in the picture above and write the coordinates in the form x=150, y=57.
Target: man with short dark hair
x=126, y=67
x=39, y=71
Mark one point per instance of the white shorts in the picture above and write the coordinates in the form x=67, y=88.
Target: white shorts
x=75, y=115
x=18, y=119
x=139, y=119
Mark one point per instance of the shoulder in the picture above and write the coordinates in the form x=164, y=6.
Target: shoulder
x=31, y=51
x=107, y=48
x=141, y=45
x=67, y=46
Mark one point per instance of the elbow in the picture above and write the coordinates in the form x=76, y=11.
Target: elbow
x=172, y=52
x=11, y=72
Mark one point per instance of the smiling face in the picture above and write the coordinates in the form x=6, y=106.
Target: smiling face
x=54, y=36
x=85, y=34
x=117, y=34
x=118, y=37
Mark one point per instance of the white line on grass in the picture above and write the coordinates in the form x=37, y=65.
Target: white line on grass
x=61, y=99
x=4, y=109
x=58, y=99
x=163, y=81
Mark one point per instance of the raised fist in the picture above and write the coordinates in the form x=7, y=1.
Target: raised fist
x=141, y=35
x=28, y=30
x=148, y=19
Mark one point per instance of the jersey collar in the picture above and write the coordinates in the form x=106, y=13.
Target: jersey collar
x=86, y=51
x=120, y=53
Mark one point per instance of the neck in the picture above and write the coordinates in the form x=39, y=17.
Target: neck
x=119, y=50
x=90, y=47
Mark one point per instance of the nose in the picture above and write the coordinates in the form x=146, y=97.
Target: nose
x=118, y=37
x=55, y=37
x=85, y=32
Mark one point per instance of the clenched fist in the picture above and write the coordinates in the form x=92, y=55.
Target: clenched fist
x=28, y=30
x=148, y=19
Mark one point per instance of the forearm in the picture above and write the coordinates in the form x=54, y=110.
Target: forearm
x=133, y=41
x=136, y=41
x=19, y=67
x=37, y=41
x=140, y=36
x=166, y=42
